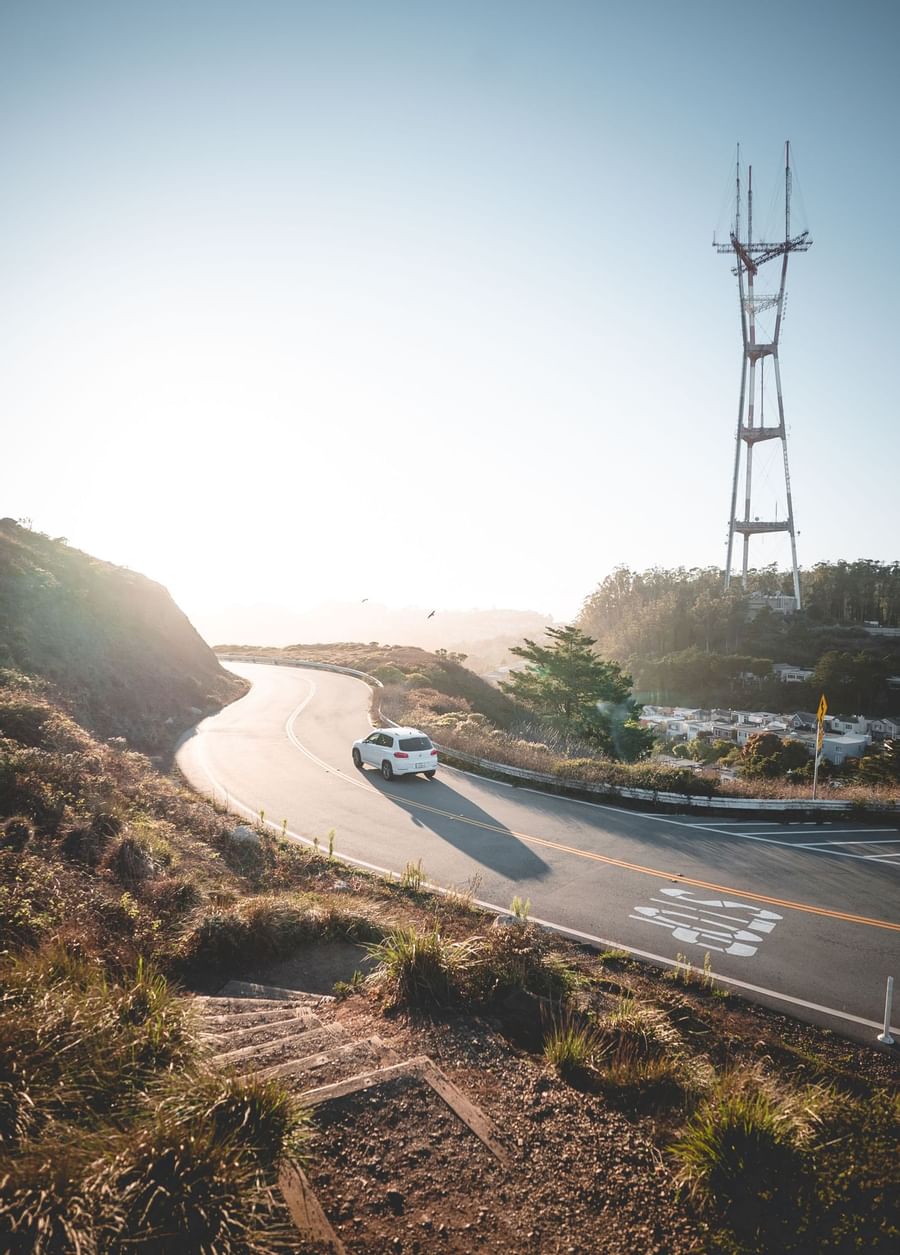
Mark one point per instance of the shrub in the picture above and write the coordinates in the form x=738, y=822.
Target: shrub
x=131, y=863
x=32, y=901
x=743, y=1153
x=42, y=1207
x=516, y=955
x=420, y=969
x=73, y=1046
x=262, y=1115
x=16, y=833
x=190, y=1182
x=571, y=1044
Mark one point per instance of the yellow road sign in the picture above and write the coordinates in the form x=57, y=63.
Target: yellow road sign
x=823, y=708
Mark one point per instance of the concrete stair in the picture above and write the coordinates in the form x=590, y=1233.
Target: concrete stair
x=284, y=1034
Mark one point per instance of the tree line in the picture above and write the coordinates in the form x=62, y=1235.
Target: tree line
x=686, y=639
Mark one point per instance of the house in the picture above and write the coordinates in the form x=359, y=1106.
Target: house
x=802, y=721
x=854, y=724
x=778, y=603
x=836, y=748
x=885, y=728
x=788, y=673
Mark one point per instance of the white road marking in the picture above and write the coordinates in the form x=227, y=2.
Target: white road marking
x=766, y=838
x=592, y=939
x=895, y=837
x=742, y=936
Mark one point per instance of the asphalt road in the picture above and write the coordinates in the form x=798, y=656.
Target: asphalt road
x=801, y=917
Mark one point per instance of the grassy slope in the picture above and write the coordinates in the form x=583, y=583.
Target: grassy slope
x=115, y=645
x=118, y=888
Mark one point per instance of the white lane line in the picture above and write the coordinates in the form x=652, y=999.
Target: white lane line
x=759, y=823
x=877, y=841
x=743, y=836
x=855, y=830
x=749, y=836
x=604, y=943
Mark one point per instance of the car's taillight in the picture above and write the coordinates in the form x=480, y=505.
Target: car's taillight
x=434, y=753
x=400, y=754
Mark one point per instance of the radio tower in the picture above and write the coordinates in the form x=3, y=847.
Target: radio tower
x=750, y=255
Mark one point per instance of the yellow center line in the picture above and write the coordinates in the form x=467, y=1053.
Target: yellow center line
x=651, y=871
x=546, y=843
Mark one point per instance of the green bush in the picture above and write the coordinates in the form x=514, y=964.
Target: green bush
x=745, y=1154
x=420, y=968
x=571, y=1044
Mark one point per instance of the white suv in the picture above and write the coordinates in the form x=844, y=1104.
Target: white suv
x=396, y=752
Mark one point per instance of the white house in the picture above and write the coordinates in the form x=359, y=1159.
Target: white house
x=836, y=748
x=857, y=725
x=787, y=673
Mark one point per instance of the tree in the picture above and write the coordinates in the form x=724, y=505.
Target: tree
x=883, y=768
x=568, y=684
x=854, y=681
x=766, y=754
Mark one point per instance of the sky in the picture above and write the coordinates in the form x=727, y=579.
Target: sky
x=416, y=302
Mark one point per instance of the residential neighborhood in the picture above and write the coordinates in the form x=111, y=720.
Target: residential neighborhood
x=845, y=736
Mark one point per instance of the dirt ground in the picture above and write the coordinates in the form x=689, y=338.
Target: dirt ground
x=589, y=1170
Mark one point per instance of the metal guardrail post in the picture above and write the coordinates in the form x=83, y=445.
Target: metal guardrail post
x=885, y=1036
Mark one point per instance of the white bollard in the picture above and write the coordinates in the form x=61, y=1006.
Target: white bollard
x=885, y=1037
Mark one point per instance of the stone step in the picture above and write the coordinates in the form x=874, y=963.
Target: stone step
x=217, y=1005
x=220, y=1021
x=275, y=993
x=233, y=1038
x=259, y=1056
x=312, y=1071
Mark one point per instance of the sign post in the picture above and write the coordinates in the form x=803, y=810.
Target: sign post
x=820, y=738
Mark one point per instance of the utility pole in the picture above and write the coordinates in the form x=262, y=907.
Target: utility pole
x=750, y=256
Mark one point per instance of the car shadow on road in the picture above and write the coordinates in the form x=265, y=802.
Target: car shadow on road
x=452, y=817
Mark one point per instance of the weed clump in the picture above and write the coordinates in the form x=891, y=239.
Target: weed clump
x=420, y=968
x=265, y=929
x=745, y=1154
x=571, y=1044
x=123, y=1140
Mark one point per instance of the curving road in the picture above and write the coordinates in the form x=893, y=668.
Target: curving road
x=801, y=917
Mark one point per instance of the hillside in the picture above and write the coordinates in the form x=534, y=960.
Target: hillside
x=630, y=1109
x=686, y=640
x=423, y=679
x=114, y=645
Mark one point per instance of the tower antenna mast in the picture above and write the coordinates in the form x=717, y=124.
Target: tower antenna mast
x=750, y=256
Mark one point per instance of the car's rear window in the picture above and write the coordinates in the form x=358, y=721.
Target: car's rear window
x=415, y=743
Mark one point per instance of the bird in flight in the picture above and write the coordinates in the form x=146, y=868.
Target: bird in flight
x=364, y=599
x=430, y=616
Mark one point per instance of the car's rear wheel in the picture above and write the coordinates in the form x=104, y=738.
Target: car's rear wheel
x=387, y=770
x=429, y=775
x=357, y=758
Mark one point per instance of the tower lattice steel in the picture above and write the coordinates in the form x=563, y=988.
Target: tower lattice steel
x=750, y=255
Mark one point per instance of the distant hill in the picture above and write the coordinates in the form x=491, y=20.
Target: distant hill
x=112, y=643
x=484, y=634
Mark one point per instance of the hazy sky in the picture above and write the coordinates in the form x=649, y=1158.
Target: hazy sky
x=417, y=302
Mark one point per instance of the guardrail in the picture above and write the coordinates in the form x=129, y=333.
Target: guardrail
x=698, y=801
